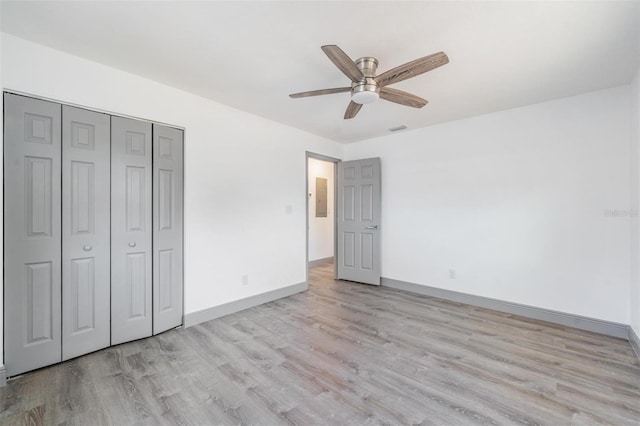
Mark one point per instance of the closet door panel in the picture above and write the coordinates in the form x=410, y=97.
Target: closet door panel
x=32, y=233
x=167, y=227
x=86, y=265
x=131, y=230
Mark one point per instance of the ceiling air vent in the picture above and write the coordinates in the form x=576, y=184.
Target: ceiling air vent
x=397, y=128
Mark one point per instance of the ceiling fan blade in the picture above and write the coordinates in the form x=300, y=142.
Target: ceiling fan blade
x=352, y=110
x=412, y=69
x=403, y=98
x=320, y=92
x=343, y=62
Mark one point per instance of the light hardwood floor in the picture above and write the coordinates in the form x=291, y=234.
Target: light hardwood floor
x=341, y=354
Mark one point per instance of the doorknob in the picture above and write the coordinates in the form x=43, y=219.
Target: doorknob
x=87, y=248
x=371, y=227
x=132, y=244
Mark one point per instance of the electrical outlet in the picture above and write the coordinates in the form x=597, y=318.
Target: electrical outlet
x=452, y=274
x=245, y=279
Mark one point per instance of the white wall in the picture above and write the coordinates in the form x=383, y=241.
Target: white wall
x=233, y=224
x=321, y=228
x=515, y=203
x=635, y=204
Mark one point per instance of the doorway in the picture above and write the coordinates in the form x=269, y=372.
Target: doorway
x=321, y=173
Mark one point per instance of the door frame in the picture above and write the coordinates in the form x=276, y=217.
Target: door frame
x=335, y=161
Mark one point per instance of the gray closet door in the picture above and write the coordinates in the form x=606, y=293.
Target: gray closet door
x=86, y=266
x=32, y=233
x=131, y=230
x=167, y=229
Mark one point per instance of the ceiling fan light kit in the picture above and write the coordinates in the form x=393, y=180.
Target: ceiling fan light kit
x=365, y=96
x=366, y=87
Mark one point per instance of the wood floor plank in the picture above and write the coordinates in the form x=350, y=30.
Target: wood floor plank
x=342, y=353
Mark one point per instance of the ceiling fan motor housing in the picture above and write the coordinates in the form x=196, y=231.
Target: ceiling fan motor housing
x=366, y=90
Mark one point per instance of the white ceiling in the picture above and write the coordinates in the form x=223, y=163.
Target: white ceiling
x=251, y=55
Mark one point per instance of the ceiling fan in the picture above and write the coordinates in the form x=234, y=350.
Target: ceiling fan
x=366, y=87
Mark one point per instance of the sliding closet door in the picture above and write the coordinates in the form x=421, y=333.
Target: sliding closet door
x=86, y=232
x=32, y=233
x=167, y=228
x=131, y=230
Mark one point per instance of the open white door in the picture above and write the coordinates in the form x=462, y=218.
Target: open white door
x=358, y=255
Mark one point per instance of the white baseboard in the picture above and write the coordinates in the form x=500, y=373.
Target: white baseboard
x=208, y=314
x=3, y=376
x=570, y=320
x=635, y=341
x=319, y=262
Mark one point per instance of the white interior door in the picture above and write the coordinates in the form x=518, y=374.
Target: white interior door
x=86, y=265
x=358, y=256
